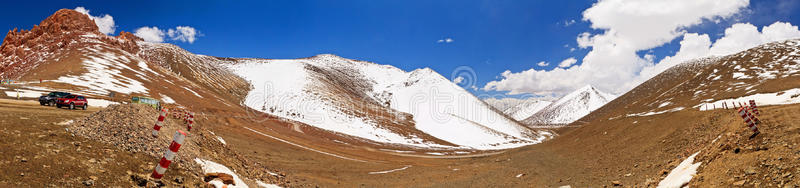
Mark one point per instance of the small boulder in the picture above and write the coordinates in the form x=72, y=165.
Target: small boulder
x=226, y=178
x=750, y=171
x=88, y=182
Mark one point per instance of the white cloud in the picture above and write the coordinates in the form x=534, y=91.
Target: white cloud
x=105, y=23
x=567, y=62
x=458, y=80
x=150, y=34
x=183, y=34
x=180, y=33
x=568, y=22
x=738, y=37
x=744, y=36
x=542, y=63
x=445, y=40
x=627, y=27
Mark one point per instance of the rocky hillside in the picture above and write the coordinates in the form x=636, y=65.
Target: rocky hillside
x=767, y=74
x=24, y=50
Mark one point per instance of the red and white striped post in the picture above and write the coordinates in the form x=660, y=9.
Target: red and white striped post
x=169, y=155
x=190, y=121
x=748, y=119
x=755, y=108
x=750, y=113
x=159, y=122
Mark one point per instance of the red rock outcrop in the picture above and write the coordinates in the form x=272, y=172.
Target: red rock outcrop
x=128, y=36
x=24, y=49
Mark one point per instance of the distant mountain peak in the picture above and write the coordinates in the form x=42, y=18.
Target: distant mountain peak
x=570, y=107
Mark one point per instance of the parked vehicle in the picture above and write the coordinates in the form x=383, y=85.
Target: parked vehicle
x=50, y=99
x=72, y=101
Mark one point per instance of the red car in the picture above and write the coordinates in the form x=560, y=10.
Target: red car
x=72, y=101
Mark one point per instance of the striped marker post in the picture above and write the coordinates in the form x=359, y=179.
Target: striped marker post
x=750, y=113
x=755, y=108
x=159, y=122
x=169, y=155
x=747, y=117
x=190, y=121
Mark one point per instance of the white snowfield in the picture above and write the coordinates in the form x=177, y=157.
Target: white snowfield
x=310, y=91
x=790, y=96
x=212, y=167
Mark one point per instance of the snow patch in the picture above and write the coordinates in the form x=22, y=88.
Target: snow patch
x=24, y=93
x=65, y=122
x=741, y=75
x=654, y=113
x=682, y=174
x=104, y=74
x=100, y=102
x=266, y=185
x=790, y=96
x=212, y=167
x=664, y=104
x=166, y=99
x=390, y=171
x=221, y=140
x=190, y=90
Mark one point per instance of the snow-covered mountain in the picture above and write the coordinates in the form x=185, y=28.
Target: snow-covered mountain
x=526, y=109
x=518, y=109
x=569, y=108
x=379, y=103
x=503, y=104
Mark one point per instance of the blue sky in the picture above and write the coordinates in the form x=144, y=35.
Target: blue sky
x=488, y=36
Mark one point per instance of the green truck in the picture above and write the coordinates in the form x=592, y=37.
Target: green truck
x=155, y=103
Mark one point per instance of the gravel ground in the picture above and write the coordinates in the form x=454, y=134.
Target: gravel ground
x=129, y=127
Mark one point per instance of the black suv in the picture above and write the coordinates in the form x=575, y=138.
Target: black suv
x=50, y=99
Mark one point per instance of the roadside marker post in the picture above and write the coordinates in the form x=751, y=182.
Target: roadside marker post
x=755, y=108
x=750, y=113
x=747, y=117
x=159, y=122
x=169, y=155
x=190, y=121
